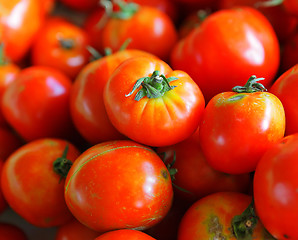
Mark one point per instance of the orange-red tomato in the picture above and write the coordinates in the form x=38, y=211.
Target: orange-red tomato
x=125, y=234
x=289, y=57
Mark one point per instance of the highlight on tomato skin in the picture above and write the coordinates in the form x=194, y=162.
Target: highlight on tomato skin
x=124, y=234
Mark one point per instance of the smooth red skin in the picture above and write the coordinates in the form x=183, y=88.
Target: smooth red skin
x=47, y=50
x=86, y=102
x=289, y=57
x=275, y=189
x=195, y=175
x=286, y=89
x=197, y=221
x=226, y=49
x=8, y=73
x=149, y=29
x=30, y=185
x=291, y=6
x=118, y=184
x=11, y=232
x=81, y=5
x=125, y=234
x=18, y=38
x=74, y=230
x=9, y=142
x=283, y=23
x=36, y=104
x=3, y=203
x=157, y=121
x=237, y=129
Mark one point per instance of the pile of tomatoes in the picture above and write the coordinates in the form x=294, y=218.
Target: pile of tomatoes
x=144, y=119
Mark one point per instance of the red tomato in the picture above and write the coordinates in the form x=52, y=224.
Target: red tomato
x=119, y=184
x=3, y=203
x=275, y=189
x=31, y=185
x=239, y=127
x=169, y=115
x=86, y=102
x=195, y=178
x=124, y=234
x=226, y=49
x=290, y=53
x=74, y=230
x=149, y=29
x=9, y=231
x=291, y=6
x=36, y=104
x=17, y=36
x=61, y=45
x=81, y=5
x=211, y=218
x=286, y=89
x=9, y=142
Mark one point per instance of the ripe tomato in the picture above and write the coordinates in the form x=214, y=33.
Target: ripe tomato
x=286, y=89
x=74, y=230
x=226, y=49
x=290, y=53
x=195, y=178
x=61, y=45
x=3, y=203
x=211, y=218
x=30, y=184
x=125, y=234
x=275, y=189
x=36, y=104
x=19, y=22
x=165, y=114
x=160, y=32
x=119, y=184
x=239, y=127
x=291, y=6
x=81, y=5
x=86, y=101
x=9, y=231
x=9, y=142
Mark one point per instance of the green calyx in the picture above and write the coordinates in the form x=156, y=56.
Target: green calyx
x=62, y=165
x=126, y=9
x=3, y=60
x=152, y=87
x=252, y=85
x=270, y=3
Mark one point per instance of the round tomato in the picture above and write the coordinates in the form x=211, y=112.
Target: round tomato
x=217, y=216
x=9, y=142
x=152, y=104
x=86, y=100
x=9, y=231
x=275, y=189
x=3, y=203
x=124, y=234
x=289, y=57
x=119, y=184
x=33, y=181
x=62, y=45
x=36, y=104
x=226, y=49
x=237, y=128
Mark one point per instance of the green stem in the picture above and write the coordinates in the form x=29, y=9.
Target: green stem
x=270, y=3
x=251, y=86
x=62, y=165
x=3, y=60
x=126, y=11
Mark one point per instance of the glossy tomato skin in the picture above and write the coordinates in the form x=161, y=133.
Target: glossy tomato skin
x=30, y=185
x=158, y=121
x=237, y=129
x=86, y=102
x=74, y=230
x=195, y=177
x=118, y=184
x=275, y=189
x=18, y=36
x=286, y=89
x=211, y=217
x=61, y=45
x=149, y=29
x=9, y=231
x=227, y=48
x=36, y=104
x=124, y=234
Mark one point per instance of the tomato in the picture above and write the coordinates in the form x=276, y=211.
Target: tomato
x=124, y=234
x=36, y=104
x=227, y=48
x=3, y=203
x=211, y=218
x=9, y=231
x=118, y=184
x=290, y=53
x=286, y=89
x=291, y=6
x=61, y=45
x=9, y=142
x=86, y=101
x=17, y=36
x=239, y=127
x=167, y=113
x=149, y=29
x=275, y=189
x=195, y=178
x=80, y=5
x=74, y=230
x=31, y=184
